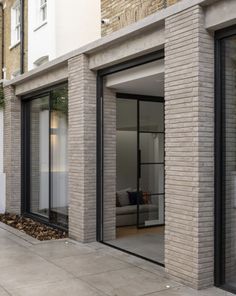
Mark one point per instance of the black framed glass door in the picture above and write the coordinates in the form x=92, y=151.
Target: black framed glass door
x=225, y=160
x=45, y=156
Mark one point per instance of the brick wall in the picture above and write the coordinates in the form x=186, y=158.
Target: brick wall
x=189, y=147
x=82, y=150
x=109, y=198
x=12, y=150
x=12, y=54
x=122, y=12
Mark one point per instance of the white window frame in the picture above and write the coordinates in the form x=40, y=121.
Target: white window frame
x=43, y=7
x=15, y=23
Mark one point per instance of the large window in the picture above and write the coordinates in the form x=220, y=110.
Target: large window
x=226, y=160
x=15, y=23
x=45, y=160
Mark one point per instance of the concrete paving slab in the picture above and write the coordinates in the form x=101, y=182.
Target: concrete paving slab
x=130, y=281
x=186, y=291
x=59, y=249
x=93, y=263
x=65, y=267
x=70, y=287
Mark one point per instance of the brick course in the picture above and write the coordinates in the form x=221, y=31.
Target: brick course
x=122, y=13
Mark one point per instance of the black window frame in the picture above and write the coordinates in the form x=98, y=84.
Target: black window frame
x=219, y=257
x=101, y=74
x=25, y=152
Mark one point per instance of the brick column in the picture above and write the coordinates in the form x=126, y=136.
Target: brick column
x=82, y=150
x=12, y=150
x=109, y=197
x=189, y=123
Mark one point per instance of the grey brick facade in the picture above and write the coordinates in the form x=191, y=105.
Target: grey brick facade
x=189, y=131
x=12, y=150
x=189, y=123
x=82, y=150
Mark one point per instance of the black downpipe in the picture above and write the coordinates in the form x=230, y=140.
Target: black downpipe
x=22, y=37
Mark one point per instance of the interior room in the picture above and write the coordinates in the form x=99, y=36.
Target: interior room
x=140, y=194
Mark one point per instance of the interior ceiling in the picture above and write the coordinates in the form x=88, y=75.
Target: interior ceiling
x=147, y=79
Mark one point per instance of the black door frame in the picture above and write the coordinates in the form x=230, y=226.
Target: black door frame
x=25, y=159
x=219, y=160
x=101, y=74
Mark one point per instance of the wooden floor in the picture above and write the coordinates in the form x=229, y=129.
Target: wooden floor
x=132, y=230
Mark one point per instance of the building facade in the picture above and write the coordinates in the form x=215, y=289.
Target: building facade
x=129, y=141
x=44, y=26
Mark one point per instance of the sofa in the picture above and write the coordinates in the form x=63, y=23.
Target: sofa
x=126, y=208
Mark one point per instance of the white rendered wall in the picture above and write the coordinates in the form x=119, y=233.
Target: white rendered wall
x=70, y=24
x=78, y=22
x=2, y=175
x=41, y=37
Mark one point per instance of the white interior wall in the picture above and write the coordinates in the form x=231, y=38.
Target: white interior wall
x=126, y=160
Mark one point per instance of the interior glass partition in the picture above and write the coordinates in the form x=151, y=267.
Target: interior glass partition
x=45, y=156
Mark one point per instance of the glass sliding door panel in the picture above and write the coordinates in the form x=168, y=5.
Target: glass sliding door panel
x=59, y=162
x=151, y=117
x=229, y=153
x=39, y=156
x=152, y=178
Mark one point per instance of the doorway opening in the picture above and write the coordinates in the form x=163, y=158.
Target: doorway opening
x=132, y=192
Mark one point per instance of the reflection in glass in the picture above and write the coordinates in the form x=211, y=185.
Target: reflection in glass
x=39, y=156
x=152, y=178
x=151, y=116
x=152, y=147
x=59, y=163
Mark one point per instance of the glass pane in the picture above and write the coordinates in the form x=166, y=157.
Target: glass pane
x=152, y=147
x=126, y=145
x=230, y=160
x=151, y=117
x=151, y=211
x=59, y=162
x=152, y=178
x=39, y=156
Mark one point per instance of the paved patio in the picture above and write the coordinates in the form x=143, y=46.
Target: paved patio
x=32, y=268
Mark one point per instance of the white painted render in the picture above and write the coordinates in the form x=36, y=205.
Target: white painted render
x=2, y=175
x=70, y=24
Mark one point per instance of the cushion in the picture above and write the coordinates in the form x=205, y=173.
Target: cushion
x=123, y=197
x=146, y=198
x=135, y=197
